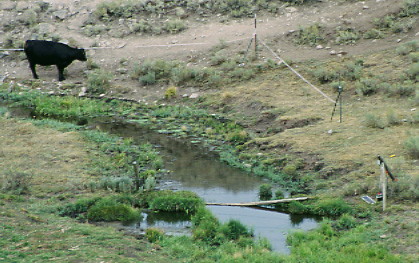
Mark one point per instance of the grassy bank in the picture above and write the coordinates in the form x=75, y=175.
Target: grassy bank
x=86, y=165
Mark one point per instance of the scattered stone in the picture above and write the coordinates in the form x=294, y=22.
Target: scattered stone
x=247, y=165
x=333, y=52
x=83, y=92
x=365, y=7
x=290, y=9
x=414, y=109
x=194, y=96
x=4, y=54
x=185, y=95
x=45, y=29
x=399, y=40
x=330, y=132
x=122, y=71
x=405, y=120
x=319, y=47
x=61, y=14
x=8, y=6
x=383, y=236
x=51, y=92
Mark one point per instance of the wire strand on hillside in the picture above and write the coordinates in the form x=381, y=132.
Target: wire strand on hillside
x=296, y=73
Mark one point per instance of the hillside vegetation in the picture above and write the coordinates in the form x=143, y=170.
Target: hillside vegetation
x=262, y=101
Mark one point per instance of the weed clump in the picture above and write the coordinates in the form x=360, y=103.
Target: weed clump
x=16, y=182
x=265, y=191
x=412, y=146
x=169, y=201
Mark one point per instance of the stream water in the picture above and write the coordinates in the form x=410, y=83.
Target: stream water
x=199, y=170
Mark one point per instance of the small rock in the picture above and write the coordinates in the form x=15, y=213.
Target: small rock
x=365, y=7
x=319, y=47
x=61, y=14
x=194, y=96
x=399, y=40
x=333, y=52
x=8, y=6
x=247, y=165
x=330, y=131
x=185, y=95
x=383, y=236
x=414, y=109
x=290, y=9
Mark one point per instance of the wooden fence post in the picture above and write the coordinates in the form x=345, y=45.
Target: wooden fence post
x=383, y=181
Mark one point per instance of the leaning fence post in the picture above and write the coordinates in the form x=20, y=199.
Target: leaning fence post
x=136, y=176
x=256, y=49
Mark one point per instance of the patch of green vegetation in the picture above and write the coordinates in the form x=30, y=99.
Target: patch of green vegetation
x=412, y=146
x=346, y=36
x=347, y=246
x=169, y=201
x=265, y=192
x=311, y=35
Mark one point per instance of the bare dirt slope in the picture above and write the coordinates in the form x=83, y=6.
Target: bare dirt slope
x=199, y=38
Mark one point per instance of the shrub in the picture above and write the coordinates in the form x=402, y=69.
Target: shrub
x=373, y=121
x=335, y=85
x=279, y=194
x=79, y=207
x=123, y=184
x=346, y=36
x=98, y=82
x=366, y=86
x=181, y=201
x=238, y=136
x=205, y=225
x=16, y=182
x=410, y=8
x=290, y=170
x=299, y=208
x=414, y=57
x=324, y=76
x=333, y=207
x=392, y=117
x=234, y=229
x=404, y=49
x=154, y=235
x=265, y=191
x=406, y=89
x=346, y=222
x=353, y=71
x=412, y=146
x=174, y=26
x=373, y=34
x=110, y=209
x=170, y=92
x=413, y=72
x=310, y=35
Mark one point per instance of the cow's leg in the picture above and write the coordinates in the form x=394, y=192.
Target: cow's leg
x=60, y=73
x=33, y=69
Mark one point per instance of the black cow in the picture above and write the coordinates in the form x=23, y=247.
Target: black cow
x=47, y=53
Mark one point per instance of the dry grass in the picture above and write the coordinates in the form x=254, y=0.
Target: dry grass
x=55, y=159
x=352, y=147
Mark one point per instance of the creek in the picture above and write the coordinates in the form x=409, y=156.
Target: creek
x=199, y=170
